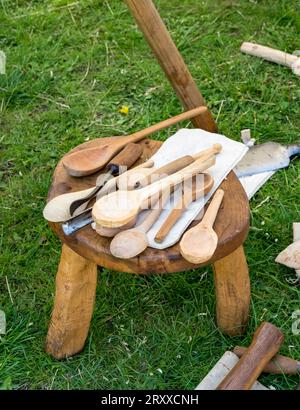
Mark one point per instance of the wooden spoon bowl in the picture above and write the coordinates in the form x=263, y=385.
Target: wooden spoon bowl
x=199, y=248
x=200, y=242
x=138, y=243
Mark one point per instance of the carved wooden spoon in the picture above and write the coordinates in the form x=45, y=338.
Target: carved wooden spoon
x=199, y=243
x=131, y=242
x=58, y=209
x=150, y=175
x=199, y=188
x=91, y=160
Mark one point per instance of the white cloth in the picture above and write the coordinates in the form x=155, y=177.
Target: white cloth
x=253, y=183
x=186, y=142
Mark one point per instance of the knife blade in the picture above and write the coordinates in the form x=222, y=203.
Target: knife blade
x=269, y=156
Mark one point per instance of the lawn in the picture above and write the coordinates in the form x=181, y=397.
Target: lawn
x=70, y=67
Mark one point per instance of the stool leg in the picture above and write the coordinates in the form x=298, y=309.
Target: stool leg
x=73, y=306
x=232, y=285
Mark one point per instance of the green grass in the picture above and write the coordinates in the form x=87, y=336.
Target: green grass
x=69, y=69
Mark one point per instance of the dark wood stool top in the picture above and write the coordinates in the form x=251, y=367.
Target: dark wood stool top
x=231, y=225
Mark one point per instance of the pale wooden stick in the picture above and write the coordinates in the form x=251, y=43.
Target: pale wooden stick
x=273, y=55
x=220, y=370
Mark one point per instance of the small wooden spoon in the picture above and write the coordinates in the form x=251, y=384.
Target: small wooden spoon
x=117, y=208
x=90, y=160
x=130, y=243
x=198, y=189
x=58, y=209
x=199, y=243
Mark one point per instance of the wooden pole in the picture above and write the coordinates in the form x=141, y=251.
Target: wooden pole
x=169, y=58
x=265, y=344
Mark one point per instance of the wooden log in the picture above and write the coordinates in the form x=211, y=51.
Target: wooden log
x=170, y=60
x=265, y=344
x=278, y=365
x=232, y=285
x=220, y=371
x=273, y=55
x=73, y=307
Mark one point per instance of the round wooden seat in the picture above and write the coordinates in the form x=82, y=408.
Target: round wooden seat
x=231, y=224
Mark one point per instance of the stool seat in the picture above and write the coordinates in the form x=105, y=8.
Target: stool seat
x=231, y=224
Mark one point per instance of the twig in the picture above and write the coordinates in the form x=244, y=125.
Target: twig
x=220, y=109
x=49, y=10
x=108, y=6
x=55, y=102
x=258, y=102
x=107, y=52
x=262, y=202
x=86, y=73
x=9, y=292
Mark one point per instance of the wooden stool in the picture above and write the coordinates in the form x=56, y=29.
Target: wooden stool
x=81, y=253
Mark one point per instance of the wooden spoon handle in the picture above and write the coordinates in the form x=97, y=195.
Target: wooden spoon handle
x=278, y=365
x=174, y=166
x=183, y=202
x=266, y=343
x=159, y=173
x=196, y=167
x=154, y=213
x=212, y=211
x=215, y=149
x=137, y=136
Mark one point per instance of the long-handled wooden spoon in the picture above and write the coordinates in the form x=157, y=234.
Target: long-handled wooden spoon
x=117, y=208
x=199, y=188
x=131, y=242
x=91, y=160
x=199, y=243
x=58, y=209
x=150, y=175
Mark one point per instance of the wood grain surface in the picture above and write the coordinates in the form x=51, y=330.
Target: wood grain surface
x=170, y=60
x=278, y=365
x=76, y=282
x=266, y=342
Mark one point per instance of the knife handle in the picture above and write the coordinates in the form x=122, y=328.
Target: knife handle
x=126, y=158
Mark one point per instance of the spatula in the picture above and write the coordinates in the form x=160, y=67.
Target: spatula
x=117, y=208
x=199, y=243
x=199, y=188
x=91, y=160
